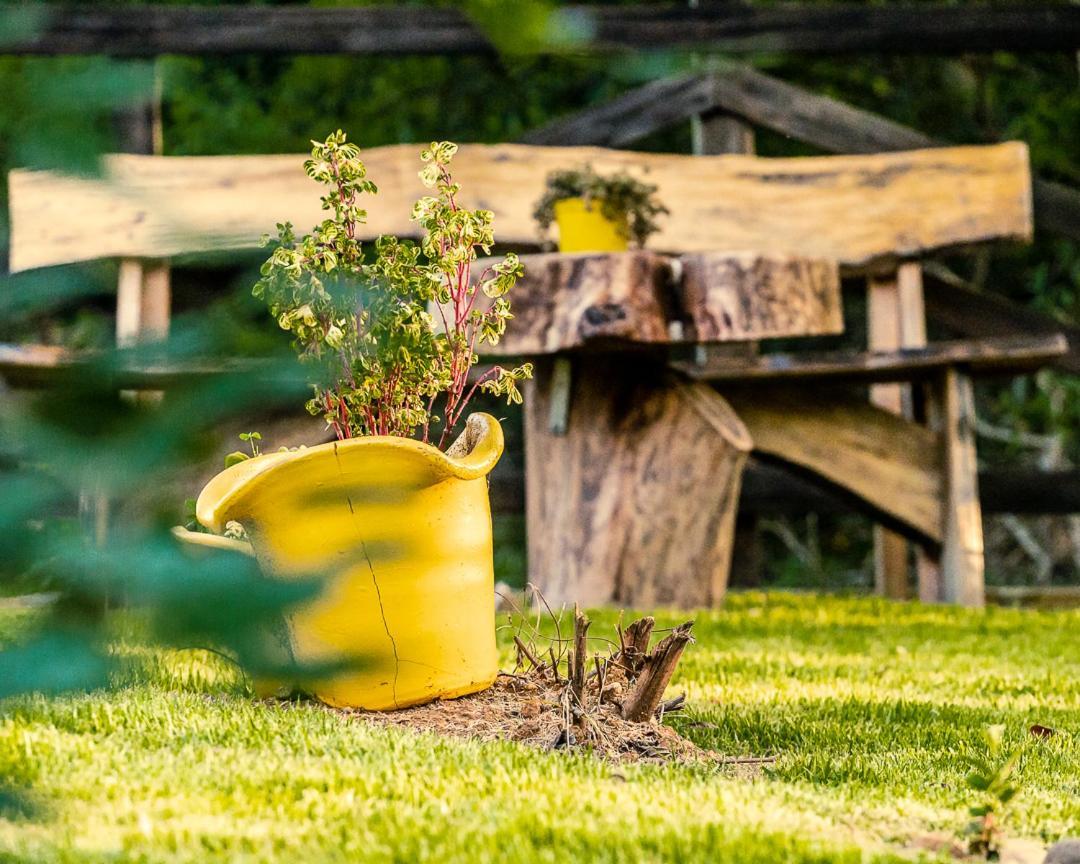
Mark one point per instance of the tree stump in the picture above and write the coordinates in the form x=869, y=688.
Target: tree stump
x=588, y=299
x=635, y=503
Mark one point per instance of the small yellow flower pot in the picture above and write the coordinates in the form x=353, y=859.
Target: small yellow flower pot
x=402, y=533
x=584, y=228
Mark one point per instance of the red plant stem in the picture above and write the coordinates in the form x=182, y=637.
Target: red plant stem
x=350, y=225
x=460, y=403
x=463, y=374
x=494, y=370
x=328, y=405
x=458, y=375
x=388, y=397
x=462, y=292
x=344, y=418
x=427, y=422
x=456, y=405
x=458, y=286
x=472, y=297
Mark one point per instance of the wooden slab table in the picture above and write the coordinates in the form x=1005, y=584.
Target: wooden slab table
x=633, y=473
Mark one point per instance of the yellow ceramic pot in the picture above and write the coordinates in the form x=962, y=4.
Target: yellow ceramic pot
x=402, y=532
x=584, y=228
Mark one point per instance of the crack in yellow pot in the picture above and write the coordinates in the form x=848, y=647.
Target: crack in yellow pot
x=402, y=534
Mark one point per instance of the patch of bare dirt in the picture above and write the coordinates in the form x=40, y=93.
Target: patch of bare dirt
x=572, y=699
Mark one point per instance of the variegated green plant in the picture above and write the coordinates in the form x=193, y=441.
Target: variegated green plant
x=394, y=330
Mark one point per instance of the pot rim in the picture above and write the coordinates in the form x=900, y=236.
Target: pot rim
x=479, y=447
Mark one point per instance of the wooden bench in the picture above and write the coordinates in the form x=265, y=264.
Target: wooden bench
x=754, y=248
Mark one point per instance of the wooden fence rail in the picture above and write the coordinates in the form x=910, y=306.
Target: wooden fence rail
x=144, y=31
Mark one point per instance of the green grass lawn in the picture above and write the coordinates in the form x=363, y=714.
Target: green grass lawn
x=868, y=706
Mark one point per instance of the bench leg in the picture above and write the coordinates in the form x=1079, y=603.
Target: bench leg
x=962, y=559
x=895, y=319
x=143, y=304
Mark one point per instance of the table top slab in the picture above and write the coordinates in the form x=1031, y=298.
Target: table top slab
x=609, y=301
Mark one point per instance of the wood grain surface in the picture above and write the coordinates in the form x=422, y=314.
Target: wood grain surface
x=852, y=209
x=611, y=300
x=635, y=503
x=891, y=463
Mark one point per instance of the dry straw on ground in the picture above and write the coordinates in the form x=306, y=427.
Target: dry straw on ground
x=562, y=696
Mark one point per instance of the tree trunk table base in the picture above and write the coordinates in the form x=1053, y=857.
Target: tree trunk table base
x=635, y=502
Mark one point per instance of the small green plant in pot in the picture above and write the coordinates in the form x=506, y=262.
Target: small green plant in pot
x=597, y=213
x=395, y=512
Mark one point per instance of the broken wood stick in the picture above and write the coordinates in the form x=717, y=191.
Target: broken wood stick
x=579, y=657
x=637, y=647
x=676, y=704
x=554, y=664
x=643, y=700
x=523, y=651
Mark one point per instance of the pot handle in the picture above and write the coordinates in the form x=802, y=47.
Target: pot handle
x=476, y=450
x=212, y=541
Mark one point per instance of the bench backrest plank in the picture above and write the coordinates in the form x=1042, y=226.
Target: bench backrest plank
x=857, y=210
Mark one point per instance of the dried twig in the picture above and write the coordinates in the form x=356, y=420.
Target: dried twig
x=555, y=619
x=554, y=665
x=636, y=648
x=578, y=658
x=523, y=651
x=670, y=705
x=639, y=632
